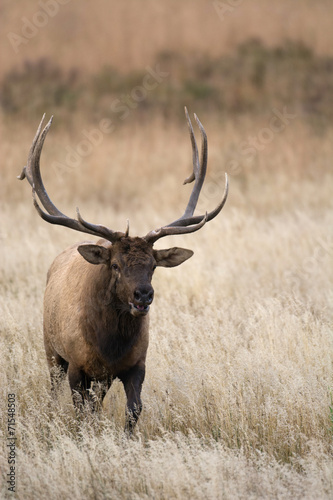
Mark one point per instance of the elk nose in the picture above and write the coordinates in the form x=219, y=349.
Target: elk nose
x=144, y=295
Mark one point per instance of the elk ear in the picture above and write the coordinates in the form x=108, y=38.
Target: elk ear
x=95, y=254
x=172, y=257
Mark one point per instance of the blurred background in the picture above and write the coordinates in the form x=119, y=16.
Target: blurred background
x=241, y=344
x=117, y=75
x=227, y=58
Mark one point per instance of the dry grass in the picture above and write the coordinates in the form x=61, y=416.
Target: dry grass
x=239, y=384
x=238, y=394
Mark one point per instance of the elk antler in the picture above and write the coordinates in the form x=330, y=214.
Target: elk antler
x=32, y=172
x=188, y=223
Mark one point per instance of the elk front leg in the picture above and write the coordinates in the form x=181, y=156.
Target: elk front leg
x=58, y=367
x=80, y=384
x=133, y=380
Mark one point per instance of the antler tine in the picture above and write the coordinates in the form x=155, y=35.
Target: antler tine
x=155, y=235
x=100, y=230
x=196, y=219
x=26, y=173
x=52, y=215
x=199, y=169
x=62, y=220
x=195, y=155
x=127, y=228
x=33, y=168
x=189, y=223
x=56, y=219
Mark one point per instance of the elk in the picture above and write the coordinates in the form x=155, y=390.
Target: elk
x=98, y=294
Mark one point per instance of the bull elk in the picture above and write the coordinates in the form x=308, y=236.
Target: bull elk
x=98, y=295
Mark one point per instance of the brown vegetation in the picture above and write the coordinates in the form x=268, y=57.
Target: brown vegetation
x=238, y=392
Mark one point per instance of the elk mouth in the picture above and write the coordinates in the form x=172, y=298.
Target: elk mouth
x=138, y=309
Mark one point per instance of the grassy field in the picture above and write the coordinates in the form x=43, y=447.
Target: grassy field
x=238, y=397
x=239, y=385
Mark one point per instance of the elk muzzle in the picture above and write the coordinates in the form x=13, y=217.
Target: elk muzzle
x=142, y=298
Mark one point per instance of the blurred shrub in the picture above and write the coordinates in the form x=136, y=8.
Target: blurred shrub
x=252, y=79
x=38, y=87
x=110, y=81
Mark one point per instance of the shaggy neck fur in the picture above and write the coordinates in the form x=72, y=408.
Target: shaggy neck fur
x=107, y=322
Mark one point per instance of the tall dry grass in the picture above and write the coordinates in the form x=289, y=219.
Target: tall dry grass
x=239, y=374
x=238, y=393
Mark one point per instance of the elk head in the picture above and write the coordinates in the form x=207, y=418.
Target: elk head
x=130, y=264
x=130, y=261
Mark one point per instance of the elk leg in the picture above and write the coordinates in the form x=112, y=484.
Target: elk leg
x=133, y=380
x=80, y=384
x=106, y=387
x=57, y=373
x=58, y=367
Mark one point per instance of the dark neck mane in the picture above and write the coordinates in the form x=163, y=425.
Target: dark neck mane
x=116, y=339
x=110, y=327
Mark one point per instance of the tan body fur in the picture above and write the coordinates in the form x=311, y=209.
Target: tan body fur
x=76, y=294
x=96, y=324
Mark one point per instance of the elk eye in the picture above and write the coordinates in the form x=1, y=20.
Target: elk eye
x=115, y=267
